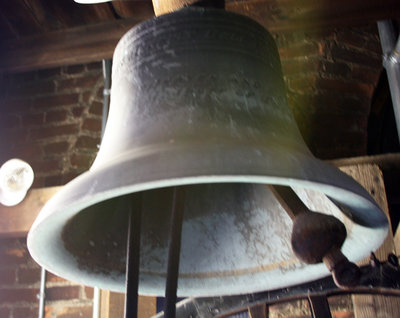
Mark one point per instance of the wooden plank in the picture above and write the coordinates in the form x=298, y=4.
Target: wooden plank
x=117, y=305
x=370, y=177
x=105, y=304
x=112, y=305
x=376, y=306
x=96, y=42
x=17, y=220
x=147, y=306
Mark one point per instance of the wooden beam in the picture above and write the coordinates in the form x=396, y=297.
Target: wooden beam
x=95, y=42
x=65, y=47
x=386, y=161
x=16, y=221
x=112, y=305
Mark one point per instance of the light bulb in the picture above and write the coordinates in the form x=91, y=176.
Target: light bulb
x=16, y=177
x=91, y=1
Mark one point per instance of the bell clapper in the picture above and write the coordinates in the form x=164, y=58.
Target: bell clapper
x=317, y=238
x=345, y=273
x=134, y=203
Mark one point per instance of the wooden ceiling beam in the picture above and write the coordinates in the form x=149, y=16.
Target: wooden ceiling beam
x=97, y=41
x=16, y=221
x=65, y=47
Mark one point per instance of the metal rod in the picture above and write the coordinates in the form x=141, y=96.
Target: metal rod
x=42, y=293
x=133, y=255
x=391, y=62
x=387, y=36
x=289, y=200
x=106, y=93
x=319, y=307
x=96, y=303
x=259, y=311
x=174, y=252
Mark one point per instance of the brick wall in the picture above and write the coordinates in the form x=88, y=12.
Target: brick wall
x=20, y=283
x=52, y=119
x=331, y=76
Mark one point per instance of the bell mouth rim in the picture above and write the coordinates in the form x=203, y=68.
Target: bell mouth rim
x=69, y=202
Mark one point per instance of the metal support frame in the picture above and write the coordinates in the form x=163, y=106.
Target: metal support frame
x=381, y=278
x=96, y=302
x=319, y=306
x=42, y=293
x=391, y=62
x=174, y=252
x=106, y=93
x=134, y=201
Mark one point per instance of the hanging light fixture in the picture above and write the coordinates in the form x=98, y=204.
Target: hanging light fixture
x=198, y=106
x=16, y=177
x=91, y=1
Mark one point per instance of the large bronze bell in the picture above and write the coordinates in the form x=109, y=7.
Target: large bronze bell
x=198, y=100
